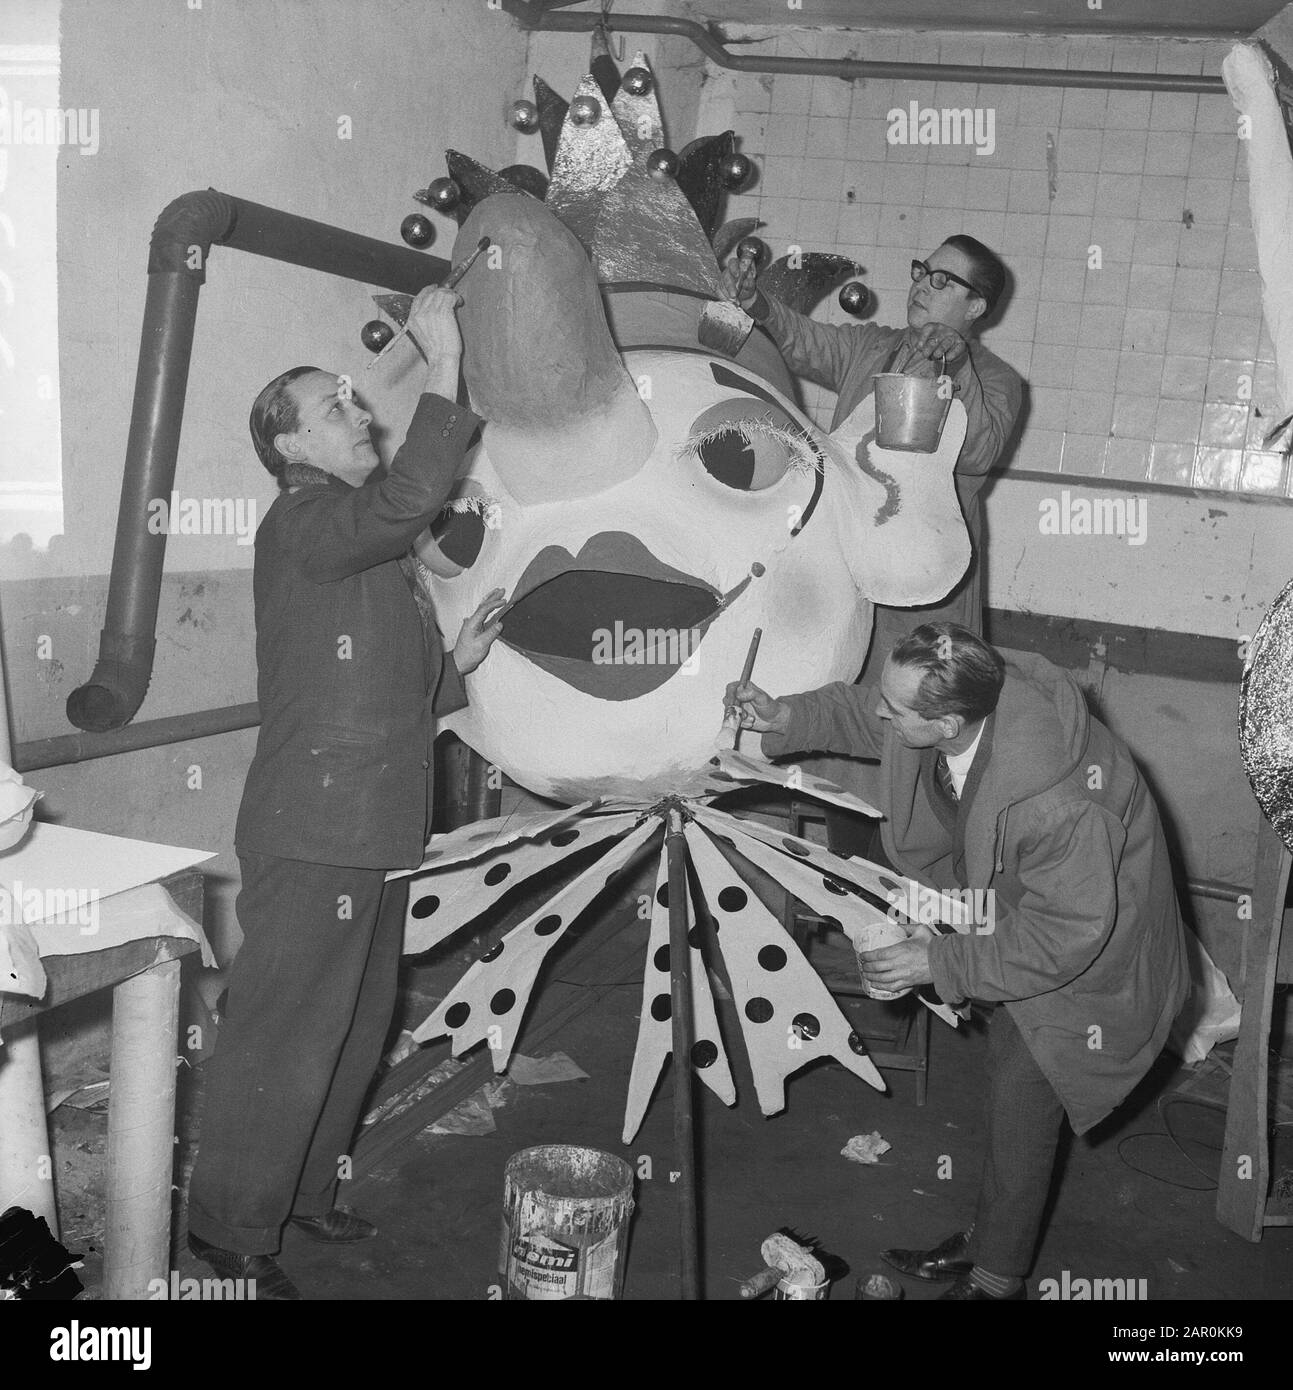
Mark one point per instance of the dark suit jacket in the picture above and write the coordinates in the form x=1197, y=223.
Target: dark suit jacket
x=346, y=676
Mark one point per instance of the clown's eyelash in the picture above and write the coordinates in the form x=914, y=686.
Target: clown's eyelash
x=482, y=506
x=803, y=458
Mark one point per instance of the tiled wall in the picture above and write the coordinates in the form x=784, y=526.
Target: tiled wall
x=1153, y=366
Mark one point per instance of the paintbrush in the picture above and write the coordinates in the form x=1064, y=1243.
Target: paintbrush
x=448, y=283
x=724, y=325
x=729, y=736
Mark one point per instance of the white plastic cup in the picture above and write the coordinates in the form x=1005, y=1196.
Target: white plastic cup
x=871, y=936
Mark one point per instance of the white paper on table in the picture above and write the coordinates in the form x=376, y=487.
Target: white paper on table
x=57, y=865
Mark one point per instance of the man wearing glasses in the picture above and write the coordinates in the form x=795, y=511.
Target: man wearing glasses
x=950, y=292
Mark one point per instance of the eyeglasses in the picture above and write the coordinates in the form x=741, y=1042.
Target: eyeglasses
x=938, y=278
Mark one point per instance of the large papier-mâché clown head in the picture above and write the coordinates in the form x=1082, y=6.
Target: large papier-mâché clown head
x=645, y=511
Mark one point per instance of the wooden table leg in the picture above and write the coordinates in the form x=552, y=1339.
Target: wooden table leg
x=1245, y=1175
x=26, y=1164
x=141, y=1131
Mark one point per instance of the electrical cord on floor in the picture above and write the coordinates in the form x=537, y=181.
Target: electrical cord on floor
x=1163, y=1106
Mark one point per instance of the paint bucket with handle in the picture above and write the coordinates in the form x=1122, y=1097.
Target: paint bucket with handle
x=565, y=1224
x=910, y=410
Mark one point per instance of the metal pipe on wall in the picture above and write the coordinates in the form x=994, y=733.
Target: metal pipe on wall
x=850, y=69
x=181, y=244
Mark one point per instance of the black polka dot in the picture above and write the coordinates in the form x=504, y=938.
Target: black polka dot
x=498, y=873
x=758, y=1010
x=703, y=1054
x=695, y=940
x=733, y=899
x=564, y=837
x=832, y=924
x=888, y=884
x=662, y=895
x=547, y=925
x=856, y=1044
x=502, y=1002
x=661, y=1008
x=833, y=885
x=424, y=907
x=457, y=1014
x=482, y=835
x=800, y=850
x=772, y=958
x=661, y=959
x=493, y=953
x=806, y=1025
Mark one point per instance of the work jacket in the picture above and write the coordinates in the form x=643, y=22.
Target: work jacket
x=1081, y=936
x=347, y=677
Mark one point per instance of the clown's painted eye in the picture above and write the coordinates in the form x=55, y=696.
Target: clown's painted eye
x=458, y=533
x=748, y=445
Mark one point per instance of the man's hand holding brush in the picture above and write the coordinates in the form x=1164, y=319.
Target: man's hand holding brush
x=433, y=325
x=756, y=709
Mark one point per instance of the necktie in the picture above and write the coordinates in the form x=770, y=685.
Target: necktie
x=944, y=774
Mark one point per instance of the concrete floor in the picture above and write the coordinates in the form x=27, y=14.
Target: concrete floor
x=438, y=1200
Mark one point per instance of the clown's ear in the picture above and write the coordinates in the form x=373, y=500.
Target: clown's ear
x=915, y=547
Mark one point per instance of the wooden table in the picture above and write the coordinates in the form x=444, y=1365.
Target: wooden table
x=144, y=976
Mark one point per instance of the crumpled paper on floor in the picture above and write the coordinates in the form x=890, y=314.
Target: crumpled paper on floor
x=866, y=1148
x=540, y=1071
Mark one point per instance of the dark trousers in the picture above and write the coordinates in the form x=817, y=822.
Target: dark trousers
x=1023, y=1127
x=310, y=999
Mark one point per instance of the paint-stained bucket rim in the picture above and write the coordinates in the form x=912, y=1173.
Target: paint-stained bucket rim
x=533, y=1168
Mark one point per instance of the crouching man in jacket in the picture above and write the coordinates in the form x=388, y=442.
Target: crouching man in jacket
x=339, y=793
x=997, y=778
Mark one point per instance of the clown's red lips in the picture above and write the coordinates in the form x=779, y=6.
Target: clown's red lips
x=613, y=621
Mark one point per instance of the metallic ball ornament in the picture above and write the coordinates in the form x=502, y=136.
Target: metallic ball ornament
x=662, y=164
x=637, y=82
x=735, y=171
x=417, y=230
x=854, y=297
x=752, y=249
x=524, y=116
x=375, y=335
x=585, y=111
x=443, y=194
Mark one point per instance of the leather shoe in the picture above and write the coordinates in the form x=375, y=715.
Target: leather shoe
x=966, y=1292
x=950, y=1260
x=272, y=1285
x=337, y=1227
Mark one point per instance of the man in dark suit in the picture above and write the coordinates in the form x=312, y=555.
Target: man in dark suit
x=338, y=793
x=996, y=778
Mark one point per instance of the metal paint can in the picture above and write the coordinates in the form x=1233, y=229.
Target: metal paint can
x=565, y=1224
x=871, y=936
